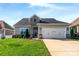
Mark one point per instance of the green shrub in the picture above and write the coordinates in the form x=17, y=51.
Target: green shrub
x=17, y=36
x=21, y=36
x=72, y=34
x=2, y=37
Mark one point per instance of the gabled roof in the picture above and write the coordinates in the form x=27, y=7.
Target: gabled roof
x=27, y=21
x=24, y=21
x=75, y=22
x=5, y=25
x=34, y=16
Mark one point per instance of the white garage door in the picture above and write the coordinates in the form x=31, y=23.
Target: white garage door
x=54, y=32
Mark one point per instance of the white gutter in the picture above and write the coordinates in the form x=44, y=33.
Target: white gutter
x=52, y=24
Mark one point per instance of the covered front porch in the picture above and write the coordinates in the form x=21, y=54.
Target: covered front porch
x=74, y=30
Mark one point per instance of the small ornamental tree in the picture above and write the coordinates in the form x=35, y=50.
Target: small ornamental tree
x=22, y=34
x=72, y=35
x=27, y=33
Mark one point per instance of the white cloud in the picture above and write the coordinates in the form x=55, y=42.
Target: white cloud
x=71, y=17
x=51, y=8
x=47, y=5
x=68, y=18
x=44, y=12
x=39, y=1
x=41, y=5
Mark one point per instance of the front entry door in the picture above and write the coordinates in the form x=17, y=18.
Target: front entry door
x=35, y=32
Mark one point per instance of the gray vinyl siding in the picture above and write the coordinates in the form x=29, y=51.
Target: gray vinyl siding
x=17, y=30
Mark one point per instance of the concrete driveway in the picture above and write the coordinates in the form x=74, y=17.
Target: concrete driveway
x=62, y=47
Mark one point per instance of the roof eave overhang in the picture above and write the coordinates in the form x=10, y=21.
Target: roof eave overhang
x=64, y=24
x=74, y=25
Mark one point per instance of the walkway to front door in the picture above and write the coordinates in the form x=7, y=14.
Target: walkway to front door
x=62, y=47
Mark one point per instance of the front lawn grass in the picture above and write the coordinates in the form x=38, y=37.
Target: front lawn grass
x=22, y=47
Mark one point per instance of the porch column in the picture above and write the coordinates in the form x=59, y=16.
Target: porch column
x=31, y=31
x=3, y=32
x=39, y=32
x=77, y=29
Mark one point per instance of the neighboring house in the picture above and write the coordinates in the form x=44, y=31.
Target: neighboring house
x=5, y=30
x=47, y=27
x=75, y=26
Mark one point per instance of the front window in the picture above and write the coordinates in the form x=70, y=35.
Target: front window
x=22, y=31
x=34, y=20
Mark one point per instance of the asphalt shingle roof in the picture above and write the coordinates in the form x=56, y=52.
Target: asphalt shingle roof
x=26, y=21
x=50, y=20
x=5, y=25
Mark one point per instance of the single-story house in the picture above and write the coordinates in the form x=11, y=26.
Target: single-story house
x=46, y=27
x=75, y=26
x=5, y=30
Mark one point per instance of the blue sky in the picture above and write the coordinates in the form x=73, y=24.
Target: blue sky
x=12, y=13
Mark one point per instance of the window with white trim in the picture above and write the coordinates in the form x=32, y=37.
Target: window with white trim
x=22, y=31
